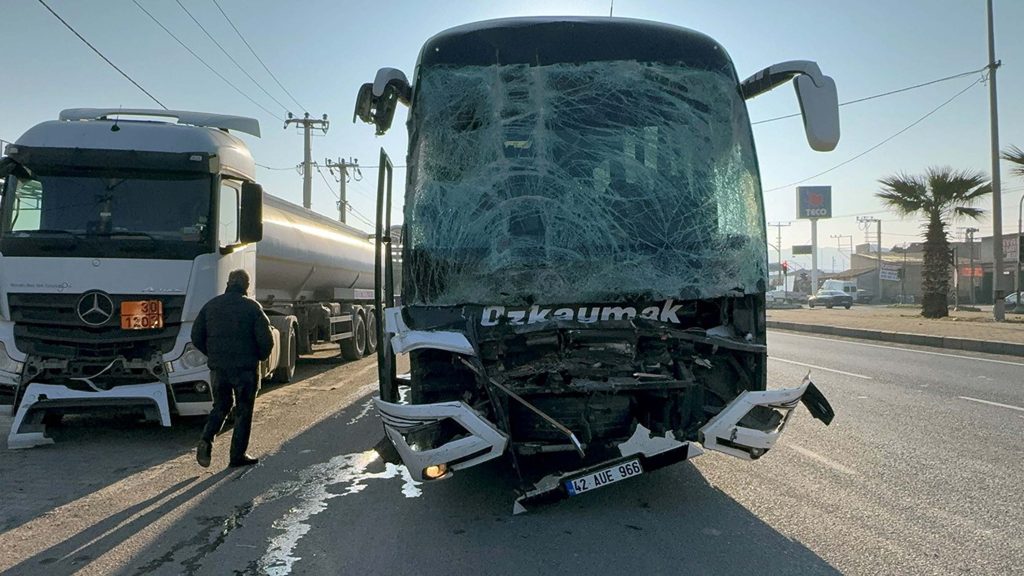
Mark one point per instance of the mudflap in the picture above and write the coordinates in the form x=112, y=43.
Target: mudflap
x=653, y=452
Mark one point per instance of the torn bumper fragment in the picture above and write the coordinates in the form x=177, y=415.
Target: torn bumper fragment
x=751, y=424
x=481, y=441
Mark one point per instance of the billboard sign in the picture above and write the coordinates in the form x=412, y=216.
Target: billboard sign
x=800, y=249
x=814, y=202
x=890, y=272
x=1011, y=248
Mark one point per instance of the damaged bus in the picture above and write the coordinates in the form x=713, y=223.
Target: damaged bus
x=583, y=250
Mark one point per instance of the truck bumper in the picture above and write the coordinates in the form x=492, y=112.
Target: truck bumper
x=482, y=441
x=28, y=430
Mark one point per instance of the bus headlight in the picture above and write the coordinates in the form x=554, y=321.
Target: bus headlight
x=190, y=359
x=8, y=364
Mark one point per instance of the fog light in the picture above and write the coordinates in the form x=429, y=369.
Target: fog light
x=201, y=387
x=435, y=472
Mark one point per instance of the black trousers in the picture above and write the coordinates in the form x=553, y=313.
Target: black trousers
x=237, y=387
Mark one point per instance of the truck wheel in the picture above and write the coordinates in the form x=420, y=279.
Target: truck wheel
x=371, y=332
x=286, y=372
x=353, y=348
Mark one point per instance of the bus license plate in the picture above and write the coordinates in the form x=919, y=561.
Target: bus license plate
x=603, y=477
x=142, y=314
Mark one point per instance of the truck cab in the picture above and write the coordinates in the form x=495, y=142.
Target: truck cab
x=116, y=226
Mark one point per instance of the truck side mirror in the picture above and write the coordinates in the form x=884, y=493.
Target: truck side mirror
x=819, y=101
x=250, y=225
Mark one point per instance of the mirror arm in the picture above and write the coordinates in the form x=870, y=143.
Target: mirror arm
x=778, y=74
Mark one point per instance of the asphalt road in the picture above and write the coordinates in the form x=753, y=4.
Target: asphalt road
x=920, y=473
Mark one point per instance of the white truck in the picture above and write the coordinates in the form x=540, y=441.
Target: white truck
x=116, y=226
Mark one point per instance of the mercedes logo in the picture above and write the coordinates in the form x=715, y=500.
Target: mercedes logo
x=95, y=308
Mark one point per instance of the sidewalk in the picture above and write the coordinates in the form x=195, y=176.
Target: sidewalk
x=973, y=331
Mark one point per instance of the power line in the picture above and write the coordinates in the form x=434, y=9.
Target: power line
x=233, y=61
x=197, y=57
x=889, y=93
x=235, y=28
x=273, y=168
x=100, y=54
x=876, y=146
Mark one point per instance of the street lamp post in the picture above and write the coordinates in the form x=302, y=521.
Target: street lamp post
x=1019, y=308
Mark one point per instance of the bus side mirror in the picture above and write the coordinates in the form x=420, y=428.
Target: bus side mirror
x=819, y=105
x=250, y=225
x=376, y=102
x=819, y=101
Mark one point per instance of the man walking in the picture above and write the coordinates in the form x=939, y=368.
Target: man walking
x=234, y=333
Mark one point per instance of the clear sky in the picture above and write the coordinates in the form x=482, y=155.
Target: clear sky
x=323, y=50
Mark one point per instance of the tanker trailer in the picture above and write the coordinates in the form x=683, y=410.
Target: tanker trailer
x=116, y=227
x=321, y=272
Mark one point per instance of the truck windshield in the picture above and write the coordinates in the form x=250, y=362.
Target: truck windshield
x=108, y=214
x=568, y=182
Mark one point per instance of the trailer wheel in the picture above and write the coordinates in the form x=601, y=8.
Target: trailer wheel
x=286, y=372
x=371, y=332
x=354, y=347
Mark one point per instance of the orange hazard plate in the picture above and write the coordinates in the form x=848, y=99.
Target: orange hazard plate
x=142, y=314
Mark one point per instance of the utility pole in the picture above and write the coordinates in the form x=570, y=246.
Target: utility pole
x=865, y=224
x=342, y=176
x=839, y=245
x=998, y=308
x=778, y=247
x=970, y=241
x=308, y=124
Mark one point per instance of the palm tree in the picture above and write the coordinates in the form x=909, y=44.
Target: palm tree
x=940, y=196
x=1015, y=155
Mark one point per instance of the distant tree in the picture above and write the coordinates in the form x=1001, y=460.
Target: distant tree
x=940, y=196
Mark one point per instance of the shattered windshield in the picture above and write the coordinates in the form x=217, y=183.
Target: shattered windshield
x=601, y=181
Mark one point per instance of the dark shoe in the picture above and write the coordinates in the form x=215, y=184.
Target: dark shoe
x=245, y=460
x=203, y=453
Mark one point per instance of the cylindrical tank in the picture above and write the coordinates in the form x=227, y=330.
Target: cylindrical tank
x=304, y=255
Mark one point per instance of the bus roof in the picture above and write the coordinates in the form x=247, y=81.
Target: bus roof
x=570, y=39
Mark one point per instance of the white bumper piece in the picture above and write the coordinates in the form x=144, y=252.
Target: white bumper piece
x=26, y=434
x=406, y=339
x=482, y=441
x=723, y=433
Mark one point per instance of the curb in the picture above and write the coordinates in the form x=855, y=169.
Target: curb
x=947, y=342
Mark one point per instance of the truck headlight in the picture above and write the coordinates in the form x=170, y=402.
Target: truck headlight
x=8, y=364
x=190, y=359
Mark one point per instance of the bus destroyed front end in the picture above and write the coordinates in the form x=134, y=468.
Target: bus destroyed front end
x=589, y=395
x=584, y=257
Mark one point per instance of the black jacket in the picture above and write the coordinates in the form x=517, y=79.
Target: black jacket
x=233, y=332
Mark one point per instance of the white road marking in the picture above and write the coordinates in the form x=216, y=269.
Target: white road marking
x=815, y=456
x=992, y=403
x=903, y=349
x=821, y=368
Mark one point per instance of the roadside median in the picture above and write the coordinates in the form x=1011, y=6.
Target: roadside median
x=966, y=331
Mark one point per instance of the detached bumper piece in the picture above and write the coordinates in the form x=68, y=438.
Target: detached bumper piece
x=650, y=452
x=751, y=424
x=28, y=429
x=477, y=442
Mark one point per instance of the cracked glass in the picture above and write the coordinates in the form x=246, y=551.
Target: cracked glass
x=594, y=182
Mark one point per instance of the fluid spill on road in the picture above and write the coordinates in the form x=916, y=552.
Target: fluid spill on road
x=348, y=472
